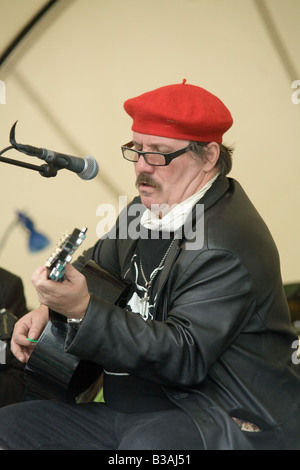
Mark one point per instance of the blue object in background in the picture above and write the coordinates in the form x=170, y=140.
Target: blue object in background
x=37, y=241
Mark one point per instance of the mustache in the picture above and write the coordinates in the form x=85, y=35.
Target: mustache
x=144, y=178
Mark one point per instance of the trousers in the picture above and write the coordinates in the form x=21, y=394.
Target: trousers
x=53, y=425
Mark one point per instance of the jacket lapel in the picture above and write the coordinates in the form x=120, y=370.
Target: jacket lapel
x=216, y=192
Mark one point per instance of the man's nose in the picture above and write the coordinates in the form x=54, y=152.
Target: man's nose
x=142, y=166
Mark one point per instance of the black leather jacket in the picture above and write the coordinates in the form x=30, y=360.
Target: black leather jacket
x=223, y=346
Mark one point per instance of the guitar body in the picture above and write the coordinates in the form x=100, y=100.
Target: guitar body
x=52, y=373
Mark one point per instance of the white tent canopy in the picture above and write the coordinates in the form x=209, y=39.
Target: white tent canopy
x=66, y=71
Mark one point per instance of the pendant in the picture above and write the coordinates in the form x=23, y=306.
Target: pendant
x=144, y=304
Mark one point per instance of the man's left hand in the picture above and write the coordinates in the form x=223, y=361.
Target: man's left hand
x=69, y=297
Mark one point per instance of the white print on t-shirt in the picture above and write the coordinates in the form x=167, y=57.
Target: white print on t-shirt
x=135, y=304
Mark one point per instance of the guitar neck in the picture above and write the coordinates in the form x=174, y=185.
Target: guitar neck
x=62, y=256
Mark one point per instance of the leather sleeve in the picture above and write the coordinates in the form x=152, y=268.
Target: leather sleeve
x=211, y=299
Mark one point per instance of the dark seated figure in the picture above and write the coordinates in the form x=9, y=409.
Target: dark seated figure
x=12, y=303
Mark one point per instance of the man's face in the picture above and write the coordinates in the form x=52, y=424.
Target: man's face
x=169, y=184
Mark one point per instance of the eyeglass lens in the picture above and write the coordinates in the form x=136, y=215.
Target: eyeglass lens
x=151, y=158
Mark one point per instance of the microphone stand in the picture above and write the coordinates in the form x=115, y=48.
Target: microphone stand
x=47, y=170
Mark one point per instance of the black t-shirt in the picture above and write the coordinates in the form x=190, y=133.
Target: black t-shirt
x=129, y=393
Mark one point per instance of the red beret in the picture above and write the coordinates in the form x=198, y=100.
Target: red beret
x=180, y=111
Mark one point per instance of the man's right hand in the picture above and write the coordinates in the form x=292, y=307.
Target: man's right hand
x=29, y=326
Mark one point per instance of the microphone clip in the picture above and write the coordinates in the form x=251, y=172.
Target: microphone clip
x=47, y=170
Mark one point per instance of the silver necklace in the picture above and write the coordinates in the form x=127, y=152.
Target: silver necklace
x=145, y=300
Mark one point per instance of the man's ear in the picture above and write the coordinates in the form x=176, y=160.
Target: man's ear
x=211, y=156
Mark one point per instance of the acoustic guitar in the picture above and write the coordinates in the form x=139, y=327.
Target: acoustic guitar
x=51, y=372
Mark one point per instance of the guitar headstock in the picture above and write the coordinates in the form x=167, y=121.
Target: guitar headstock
x=62, y=255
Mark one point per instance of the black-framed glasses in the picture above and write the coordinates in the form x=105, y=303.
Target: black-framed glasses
x=152, y=158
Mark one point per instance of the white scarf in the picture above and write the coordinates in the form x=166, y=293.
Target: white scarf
x=177, y=216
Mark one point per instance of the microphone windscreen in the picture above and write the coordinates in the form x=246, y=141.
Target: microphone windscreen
x=90, y=170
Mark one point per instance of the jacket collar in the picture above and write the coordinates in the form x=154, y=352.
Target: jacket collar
x=216, y=192
x=126, y=247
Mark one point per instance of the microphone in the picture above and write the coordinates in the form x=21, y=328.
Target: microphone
x=86, y=168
